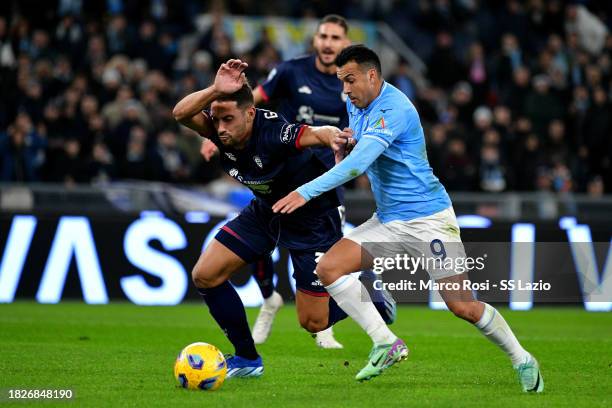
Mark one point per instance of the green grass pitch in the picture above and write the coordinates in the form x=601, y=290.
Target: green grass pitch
x=122, y=355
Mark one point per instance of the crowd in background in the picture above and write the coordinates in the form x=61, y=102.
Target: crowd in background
x=517, y=93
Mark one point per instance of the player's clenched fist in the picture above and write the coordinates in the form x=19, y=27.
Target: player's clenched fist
x=343, y=144
x=208, y=149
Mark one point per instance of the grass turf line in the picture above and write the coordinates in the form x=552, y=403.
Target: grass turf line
x=122, y=355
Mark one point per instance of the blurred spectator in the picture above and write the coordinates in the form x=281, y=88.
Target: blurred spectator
x=21, y=151
x=541, y=105
x=463, y=102
x=597, y=131
x=174, y=162
x=595, y=187
x=139, y=162
x=508, y=60
x=561, y=178
x=71, y=167
x=402, y=79
x=7, y=56
x=436, y=147
x=492, y=172
x=117, y=35
x=590, y=30
x=516, y=94
x=531, y=159
x=459, y=173
x=478, y=72
x=444, y=68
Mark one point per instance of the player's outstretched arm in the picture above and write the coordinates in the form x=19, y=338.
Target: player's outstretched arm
x=319, y=136
x=188, y=111
x=208, y=150
x=366, y=151
x=330, y=136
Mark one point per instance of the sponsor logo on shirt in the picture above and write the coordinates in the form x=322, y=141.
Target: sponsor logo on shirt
x=286, y=135
x=380, y=131
x=236, y=174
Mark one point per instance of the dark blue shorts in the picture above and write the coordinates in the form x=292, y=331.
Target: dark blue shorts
x=256, y=231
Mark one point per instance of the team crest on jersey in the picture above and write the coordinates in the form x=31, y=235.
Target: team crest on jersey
x=258, y=162
x=230, y=156
x=380, y=123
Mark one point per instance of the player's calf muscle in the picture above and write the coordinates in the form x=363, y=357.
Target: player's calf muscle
x=313, y=312
x=314, y=324
x=470, y=310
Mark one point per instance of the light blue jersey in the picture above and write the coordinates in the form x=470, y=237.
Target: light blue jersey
x=391, y=149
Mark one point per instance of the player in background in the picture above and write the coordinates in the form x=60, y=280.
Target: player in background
x=308, y=91
x=265, y=153
x=412, y=207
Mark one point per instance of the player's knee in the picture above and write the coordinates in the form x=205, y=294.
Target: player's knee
x=327, y=271
x=203, y=279
x=313, y=325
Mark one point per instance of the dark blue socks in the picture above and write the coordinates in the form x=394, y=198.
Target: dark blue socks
x=227, y=309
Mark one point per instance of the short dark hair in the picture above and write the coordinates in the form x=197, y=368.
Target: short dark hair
x=243, y=97
x=334, y=19
x=360, y=54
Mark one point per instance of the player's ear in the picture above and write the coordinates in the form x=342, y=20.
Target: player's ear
x=372, y=75
x=250, y=113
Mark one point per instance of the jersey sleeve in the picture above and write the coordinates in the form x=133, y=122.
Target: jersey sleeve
x=281, y=135
x=274, y=86
x=364, y=154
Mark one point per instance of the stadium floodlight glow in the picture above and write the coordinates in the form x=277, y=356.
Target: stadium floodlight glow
x=596, y=292
x=162, y=265
x=197, y=217
x=15, y=253
x=347, y=227
x=152, y=213
x=473, y=221
x=566, y=223
x=73, y=238
x=522, y=262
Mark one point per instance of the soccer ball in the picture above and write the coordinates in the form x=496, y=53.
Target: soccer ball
x=200, y=366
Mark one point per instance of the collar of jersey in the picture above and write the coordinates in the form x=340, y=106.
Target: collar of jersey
x=361, y=111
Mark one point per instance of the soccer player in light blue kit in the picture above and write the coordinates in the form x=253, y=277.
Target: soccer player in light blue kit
x=412, y=207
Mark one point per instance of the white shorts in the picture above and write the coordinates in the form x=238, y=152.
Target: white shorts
x=434, y=236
